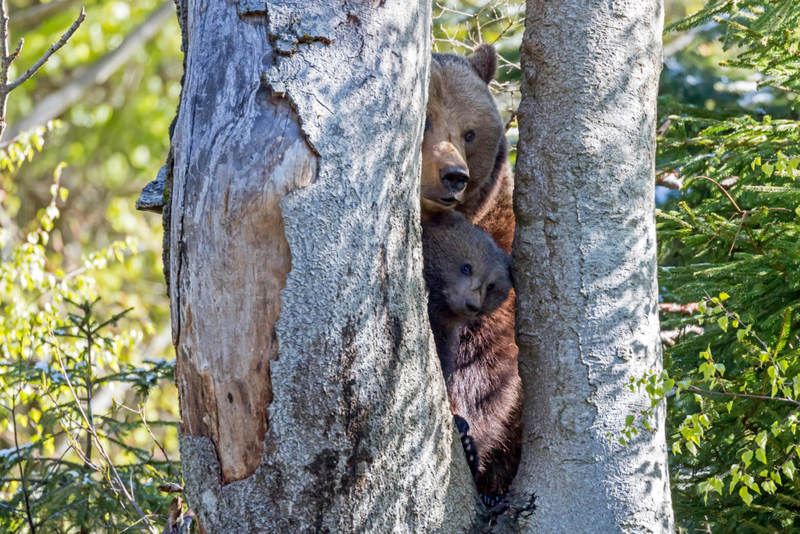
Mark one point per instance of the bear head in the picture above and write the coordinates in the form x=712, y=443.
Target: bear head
x=467, y=275
x=463, y=130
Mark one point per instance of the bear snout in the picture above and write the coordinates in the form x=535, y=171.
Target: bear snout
x=454, y=178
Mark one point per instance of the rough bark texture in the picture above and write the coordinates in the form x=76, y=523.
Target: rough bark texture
x=311, y=395
x=585, y=264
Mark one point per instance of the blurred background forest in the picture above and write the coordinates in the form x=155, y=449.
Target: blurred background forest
x=88, y=412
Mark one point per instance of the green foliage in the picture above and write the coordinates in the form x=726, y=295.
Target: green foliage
x=114, y=139
x=729, y=243
x=73, y=456
x=68, y=465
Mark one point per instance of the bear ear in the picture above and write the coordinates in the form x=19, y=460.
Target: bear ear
x=484, y=60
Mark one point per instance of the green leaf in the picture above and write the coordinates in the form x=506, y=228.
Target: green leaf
x=768, y=169
x=704, y=420
x=761, y=456
x=788, y=470
x=723, y=323
x=745, y=495
x=740, y=334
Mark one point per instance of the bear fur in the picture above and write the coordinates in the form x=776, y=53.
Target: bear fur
x=459, y=103
x=468, y=279
x=465, y=168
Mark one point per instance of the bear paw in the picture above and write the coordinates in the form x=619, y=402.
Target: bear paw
x=470, y=450
x=490, y=501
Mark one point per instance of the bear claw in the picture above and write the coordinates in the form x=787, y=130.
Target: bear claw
x=470, y=450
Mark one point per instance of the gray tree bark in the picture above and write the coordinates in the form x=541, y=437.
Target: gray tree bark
x=311, y=394
x=585, y=265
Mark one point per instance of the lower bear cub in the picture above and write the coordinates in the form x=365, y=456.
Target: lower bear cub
x=468, y=279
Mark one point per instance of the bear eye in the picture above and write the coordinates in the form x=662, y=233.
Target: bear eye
x=466, y=269
x=489, y=287
x=469, y=136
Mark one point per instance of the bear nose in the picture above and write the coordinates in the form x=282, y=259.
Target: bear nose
x=454, y=178
x=472, y=306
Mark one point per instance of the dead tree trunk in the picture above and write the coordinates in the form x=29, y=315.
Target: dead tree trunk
x=585, y=262
x=311, y=395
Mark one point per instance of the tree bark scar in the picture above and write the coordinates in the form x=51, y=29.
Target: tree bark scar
x=237, y=155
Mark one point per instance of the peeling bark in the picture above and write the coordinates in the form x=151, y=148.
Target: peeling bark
x=585, y=265
x=311, y=394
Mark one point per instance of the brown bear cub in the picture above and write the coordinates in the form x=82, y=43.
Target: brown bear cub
x=465, y=169
x=468, y=279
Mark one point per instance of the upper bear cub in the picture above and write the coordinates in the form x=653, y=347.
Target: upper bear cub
x=465, y=169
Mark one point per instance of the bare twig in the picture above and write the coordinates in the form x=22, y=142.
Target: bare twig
x=742, y=395
x=10, y=59
x=738, y=209
x=6, y=60
x=56, y=103
x=744, y=215
x=50, y=51
x=783, y=88
x=141, y=412
x=97, y=443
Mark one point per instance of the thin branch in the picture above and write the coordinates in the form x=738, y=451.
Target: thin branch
x=29, y=515
x=3, y=37
x=55, y=104
x=738, y=209
x=743, y=395
x=7, y=61
x=50, y=51
x=98, y=444
x=744, y=215
x=783, y=88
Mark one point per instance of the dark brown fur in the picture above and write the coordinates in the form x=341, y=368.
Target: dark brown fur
x=458, y=101
x=483, y=385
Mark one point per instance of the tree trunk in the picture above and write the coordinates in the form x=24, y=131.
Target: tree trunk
x=585, y=265
x=311, y=394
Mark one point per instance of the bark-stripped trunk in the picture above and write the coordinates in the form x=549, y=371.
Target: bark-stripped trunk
x=585, y=262
x=311, y=395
